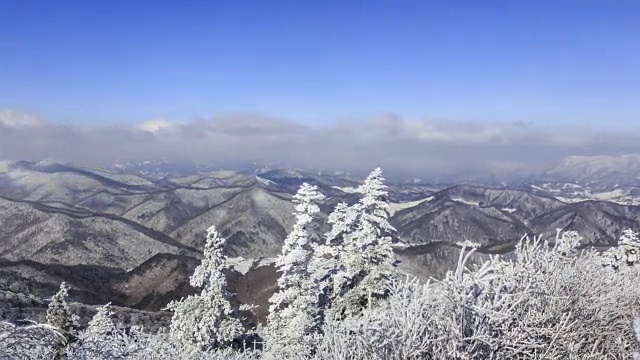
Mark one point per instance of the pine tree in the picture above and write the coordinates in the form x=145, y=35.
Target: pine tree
x=567, y=243
x=627, y=253
x=327, y=268
x=59, y=315
x=326, y=260
x=207, y=321
x=367, y=260
x=293, y=317
x=101, y=323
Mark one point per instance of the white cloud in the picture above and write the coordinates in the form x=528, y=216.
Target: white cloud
x=408, y=146
x=17, y=118
x=156, y=125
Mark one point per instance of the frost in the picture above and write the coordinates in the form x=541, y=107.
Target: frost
x=627, y=253
x=293, y=313
x=59, y=315
x=340, y=297
x=101, y=323
x=207, y=321
x=359, y=250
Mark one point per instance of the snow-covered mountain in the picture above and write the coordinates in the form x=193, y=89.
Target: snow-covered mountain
x=600, y=171
x=130, y=237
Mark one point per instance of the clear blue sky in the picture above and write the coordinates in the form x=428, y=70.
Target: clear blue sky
x=320, y=60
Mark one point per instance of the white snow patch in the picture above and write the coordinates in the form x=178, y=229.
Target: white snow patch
x=468, y=202
x=617, y=196
x=264, y=181
x=243, y=265
x=570, y=200
x=395, y=207
x=510, y=210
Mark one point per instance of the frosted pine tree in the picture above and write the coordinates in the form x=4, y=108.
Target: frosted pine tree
x=101, y=323
x=59, y=315
x=326, y=256
x=327, y=263
x=207, y=321
x=367, y=261
x=627, y=253
x=293, y=316
x=343, y=222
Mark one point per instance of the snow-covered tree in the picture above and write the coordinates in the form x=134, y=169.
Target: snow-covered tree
x=374, y=204
x=366, y=260
x=59, y=315
x=207, y=320
x=343, y=222
x=293, y=313
x=326, y=262
x=101, y=323
x=627, y=253
x=567, y=243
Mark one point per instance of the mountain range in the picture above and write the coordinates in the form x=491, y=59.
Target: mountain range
x=132, y=236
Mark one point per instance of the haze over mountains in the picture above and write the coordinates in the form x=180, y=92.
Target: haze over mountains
x=132, y=233
x=434, y=150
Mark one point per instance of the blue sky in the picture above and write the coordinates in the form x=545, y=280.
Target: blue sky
x=540, y=61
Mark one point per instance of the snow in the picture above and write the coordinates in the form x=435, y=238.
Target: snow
x=207, y=320
x=243, y=265
x=293, y=313
x=101, y=322
x=468, y=244
x=617, y=196
x=264, y=181
x=464, y=201
x=395, y=207
x=367, y=248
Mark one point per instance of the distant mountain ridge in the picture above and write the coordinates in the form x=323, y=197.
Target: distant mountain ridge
x=600, y=171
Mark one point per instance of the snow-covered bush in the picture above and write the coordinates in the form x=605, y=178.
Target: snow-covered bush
x=135, y=344
x=207, y=321
x=32, y=341
x=542, y=305
x=293, y=315
x=399, y=328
